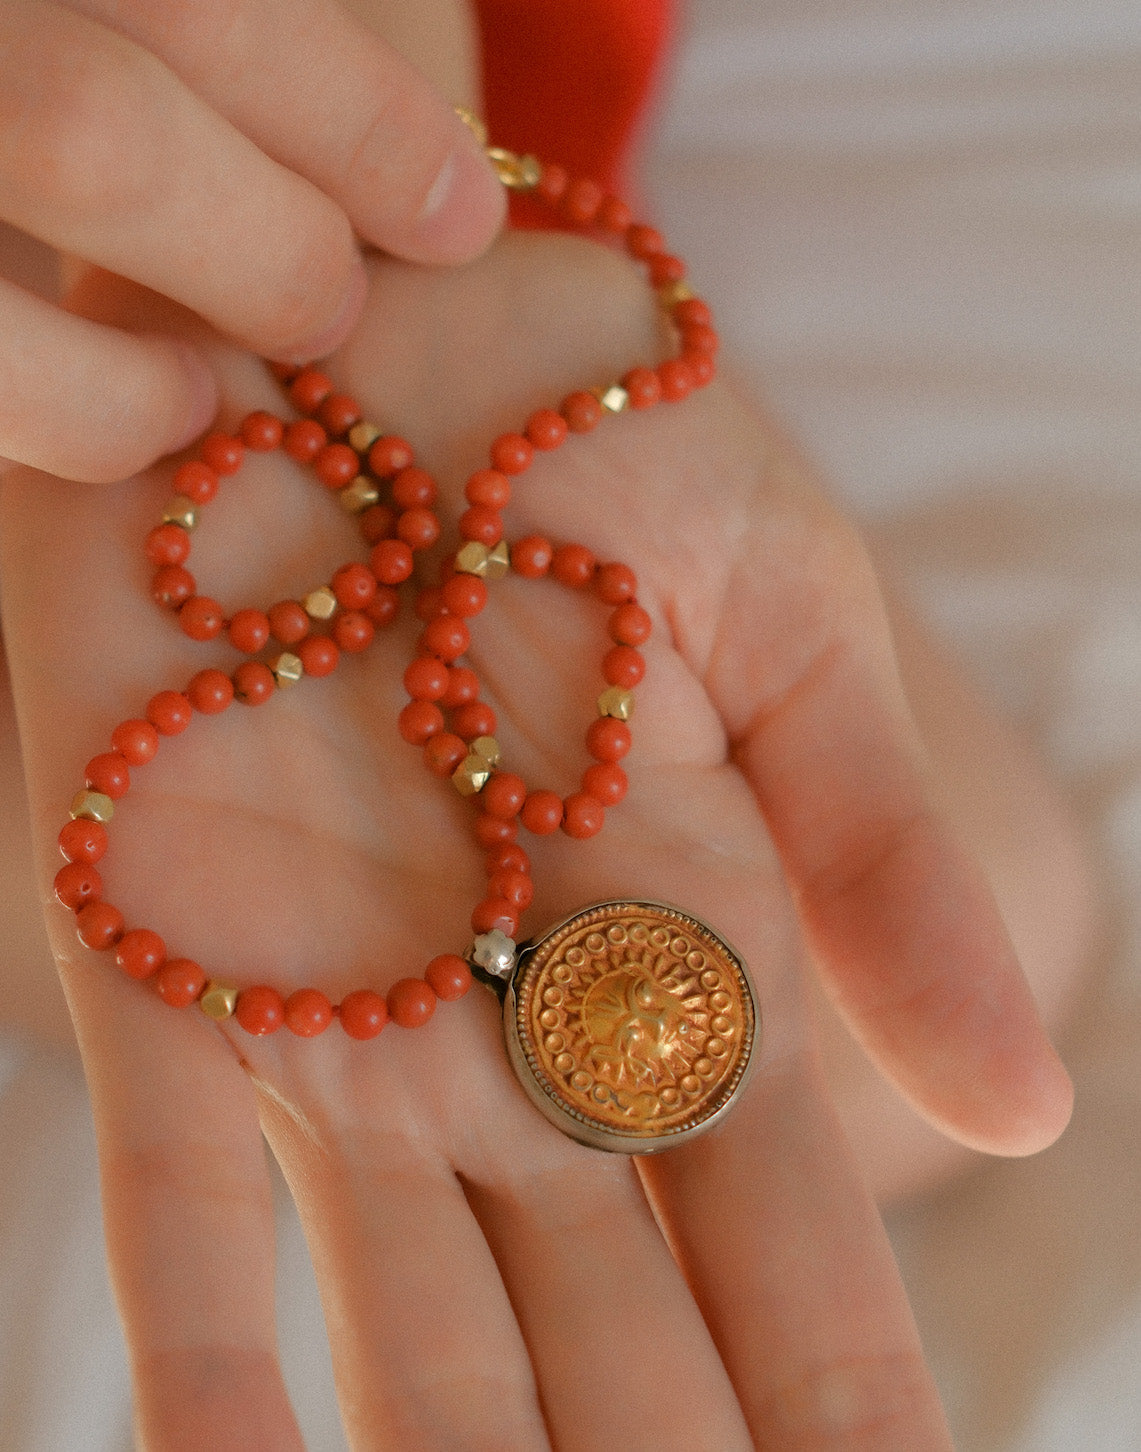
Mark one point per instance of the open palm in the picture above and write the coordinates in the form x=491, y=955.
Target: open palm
x=488, y=1283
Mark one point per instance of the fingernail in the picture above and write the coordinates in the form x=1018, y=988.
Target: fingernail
x=464, y=208
x=202, y=389
x=332, y=338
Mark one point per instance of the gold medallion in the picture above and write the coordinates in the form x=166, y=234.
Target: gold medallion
x=631, y=1025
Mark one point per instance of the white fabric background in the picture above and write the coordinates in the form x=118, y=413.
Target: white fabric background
x=922, y=223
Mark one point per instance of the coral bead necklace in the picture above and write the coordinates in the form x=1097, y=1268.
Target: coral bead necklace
x=630, y=1024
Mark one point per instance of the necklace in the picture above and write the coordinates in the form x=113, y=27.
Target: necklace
x=630, y=1024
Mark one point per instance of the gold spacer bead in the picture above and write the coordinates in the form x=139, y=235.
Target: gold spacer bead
x=488, y=748
x=219, y=1000
x=92, y=806
x=519, y=173
x=614, y=399
x=672, y=293
x=181, y=511
x=616, y=702
x=472, y=775
x=471, y=558
x=498, y=561
x=356, y=497
x=362, y=436
x=320, y=604
x=287, y=669
x=473, y=123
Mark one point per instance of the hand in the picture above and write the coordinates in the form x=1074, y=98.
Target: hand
x=222, y=155
x=486, y=1281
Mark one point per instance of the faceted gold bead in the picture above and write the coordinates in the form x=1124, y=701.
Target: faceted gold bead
x=357, y=496
x=472, y=775
x=672, y=293
x=287, y=669
x=616, y=702
x=471, y=558
x=488, y=748
x=614, y=399
x=362, y=436
x=498, y=561
x=520, y=173
x=473, y=124
x=93, y=806
x=320, y=604
x=181, y=511
x=219, y=1000
x=529, y=173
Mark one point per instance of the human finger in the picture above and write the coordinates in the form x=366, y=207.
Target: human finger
x=189, y=1223
x=60, y=413
x=791, y=1267
x=906, y=931
x=361, y=122
x=106, y=154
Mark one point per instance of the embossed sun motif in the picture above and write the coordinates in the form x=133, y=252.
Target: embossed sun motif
x=636, y=1028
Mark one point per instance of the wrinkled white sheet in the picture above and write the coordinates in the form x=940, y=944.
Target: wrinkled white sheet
x=922, y=219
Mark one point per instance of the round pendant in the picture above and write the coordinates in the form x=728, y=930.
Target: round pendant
x=631, y=1025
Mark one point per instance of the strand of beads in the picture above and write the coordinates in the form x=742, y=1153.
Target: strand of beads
x=445, y=715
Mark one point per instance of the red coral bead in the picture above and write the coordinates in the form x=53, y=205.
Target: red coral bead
x=419, y=721
x=418, y=528
x=253, y=683
x=201, y=618
x=310, y=389
x=488, y=487
x=608, y=739
x=702, y=366
x=546, y=429
x=336, y=465
x=531, y=557
x=262, y=432
x=391, y=561
x=429, y=604
x=615, y=583
x=363, y=1014
x=583, y=815
x=665, y=268
x=210, y=692
x=388, y=455
x=495, y=913
x=629, y=624
x=495, y=831
x=463, y=686
x=384, y=606
x=507, y=854
x=222, y=453
x=426, y=678
x=582, y=411
x=481, y=524
x=377, y=522
x=444, y=752
x=448, y=976
x=414, y=488
x=465, y=595
x=260, y=1010
x=99, y=925
x=622, y=665
x=643, y=386
x=513, y=887
x=411, y=1003
x=180, y=982
x=677, y=379
x=288, y=622
x=606, y=782
x=354, y=586
x=83, y=841
x=249, y=630
x=573, y=565
x=614, y=216
x=553, y=182
x=339, y=412
x=108, y=773
x=475, y=719
x=168, y=544
x=304, y=439
x=542, y=812
x=446, y=637
x=169, y=712
x=353, y=631
x=140, y=953
x=319, y=655
x=172, y=586
x=504, y=794
x=197, y=481
x=692, y=311
x=644, y=242
x=511, y=454
x=77, y=883
x=581, y=201
x=307, y=1013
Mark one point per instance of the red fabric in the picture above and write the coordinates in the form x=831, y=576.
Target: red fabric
x=569, y=80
